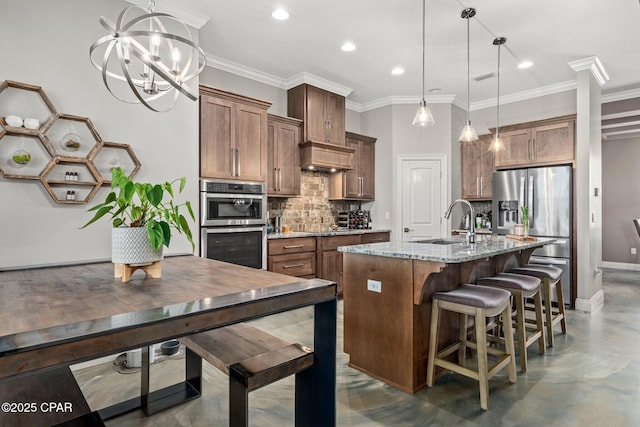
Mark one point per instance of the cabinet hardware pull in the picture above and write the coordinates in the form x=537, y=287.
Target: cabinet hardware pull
x=233, y=161
x=293, y=246
x=238, y=161
x=275, y=179
x=481, y=187
x=293, y=266
x=477, y=185
x=279, y=179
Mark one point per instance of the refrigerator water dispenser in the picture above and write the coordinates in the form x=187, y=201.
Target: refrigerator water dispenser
x=507, y=213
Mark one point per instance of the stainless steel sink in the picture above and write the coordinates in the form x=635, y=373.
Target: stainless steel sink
x=440, y=241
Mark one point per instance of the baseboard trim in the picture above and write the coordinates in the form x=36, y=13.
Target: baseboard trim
x=621, y=265
x=591, y=305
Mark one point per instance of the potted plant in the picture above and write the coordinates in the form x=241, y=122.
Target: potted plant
x=525, y=218
x=142, y=215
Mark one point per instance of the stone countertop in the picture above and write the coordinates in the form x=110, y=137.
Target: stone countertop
x=342, y=232
x=457, y=252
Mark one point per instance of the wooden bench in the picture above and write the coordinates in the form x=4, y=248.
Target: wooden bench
x=250, y=357
x=47, y=398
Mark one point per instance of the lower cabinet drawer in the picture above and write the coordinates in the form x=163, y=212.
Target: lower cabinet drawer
x=303, y=264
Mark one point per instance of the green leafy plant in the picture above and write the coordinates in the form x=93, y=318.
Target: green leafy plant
x=137, y=204
x=525, y=215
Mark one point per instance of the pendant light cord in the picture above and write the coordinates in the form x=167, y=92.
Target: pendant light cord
x=423, y=43
x=468, y=71
x=498, y=99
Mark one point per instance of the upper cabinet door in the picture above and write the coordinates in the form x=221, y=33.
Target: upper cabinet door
x=553, y=143
x=517, y=150
x=315, y=122
x=335, y=117
x=217, y=133
x=251, y=143
x=367, y=168
x=288, y=150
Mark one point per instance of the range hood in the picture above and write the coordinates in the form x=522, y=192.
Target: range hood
x=325, y=157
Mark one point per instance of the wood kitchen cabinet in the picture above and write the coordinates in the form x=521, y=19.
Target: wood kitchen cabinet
x=283, y=156
x=323, y=113
x=295, y=256
x=330, y=260
x=359, y=182
x=477, y=168
x=233, y=136
x=548, y=141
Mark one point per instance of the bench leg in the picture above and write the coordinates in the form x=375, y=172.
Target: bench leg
x=238, y=402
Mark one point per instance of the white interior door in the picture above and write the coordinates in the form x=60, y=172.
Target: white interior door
x=421, y=204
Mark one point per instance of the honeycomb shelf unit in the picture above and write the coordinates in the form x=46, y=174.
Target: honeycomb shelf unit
x=48, y=144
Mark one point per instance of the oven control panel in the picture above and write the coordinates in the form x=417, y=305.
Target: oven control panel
x=232, y=187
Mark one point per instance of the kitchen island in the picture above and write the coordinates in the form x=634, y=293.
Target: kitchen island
x=387, y=298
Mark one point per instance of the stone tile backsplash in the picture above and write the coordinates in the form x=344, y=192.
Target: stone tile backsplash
x=312, y=211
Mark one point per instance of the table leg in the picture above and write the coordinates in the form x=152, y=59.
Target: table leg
x=316, y=386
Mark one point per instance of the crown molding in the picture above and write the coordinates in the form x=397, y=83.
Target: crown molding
x=173, y=8
x=316, y=81
x=527, y=94
x=620, y=96
x=592, y=64
x=244, y=71
x=272, y=80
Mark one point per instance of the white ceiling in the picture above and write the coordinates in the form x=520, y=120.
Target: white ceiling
x=240, y=36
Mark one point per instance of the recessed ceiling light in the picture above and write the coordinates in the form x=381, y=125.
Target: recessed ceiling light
x=397, y=71
x=348, y=47
x=525, y=64
x=280, y=14
x=435, y=90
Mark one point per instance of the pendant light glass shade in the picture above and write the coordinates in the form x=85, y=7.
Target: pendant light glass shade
x=423, y=116
x=468, y=132
x=496, y=143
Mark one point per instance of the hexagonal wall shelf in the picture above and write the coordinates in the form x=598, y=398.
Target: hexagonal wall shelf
x=109, y=155
x=26, y=102
x=71, y=179
x=37, y=142
x=22, y=156
x=72, y=136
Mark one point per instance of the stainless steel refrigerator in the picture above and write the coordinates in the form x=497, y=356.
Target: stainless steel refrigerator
x=547, y=192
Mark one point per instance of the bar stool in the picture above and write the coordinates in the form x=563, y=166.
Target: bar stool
x=522, y=287
x=482, y=303
x=550, y=277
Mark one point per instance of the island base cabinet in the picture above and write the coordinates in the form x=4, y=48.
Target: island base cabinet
x=385, y=333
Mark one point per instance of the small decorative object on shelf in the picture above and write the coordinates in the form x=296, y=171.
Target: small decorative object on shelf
x=31, y=123
x=21, y=158
x=71, y=195
x=14, y=121
x=71, y=142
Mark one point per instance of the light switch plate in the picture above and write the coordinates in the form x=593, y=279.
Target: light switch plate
x=374, y=286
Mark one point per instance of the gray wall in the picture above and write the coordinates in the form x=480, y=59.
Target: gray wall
x=50, y=48
x=620, y=200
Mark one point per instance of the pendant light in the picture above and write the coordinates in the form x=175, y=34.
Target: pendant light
x=468, y=132
x=423, y=115
x=496, y=143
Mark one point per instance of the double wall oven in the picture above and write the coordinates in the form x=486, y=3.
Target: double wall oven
x=233, y=222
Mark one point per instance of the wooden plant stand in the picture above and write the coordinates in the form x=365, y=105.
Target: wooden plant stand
x=154, y=270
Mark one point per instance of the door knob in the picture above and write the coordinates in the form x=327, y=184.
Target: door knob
x=407, y=229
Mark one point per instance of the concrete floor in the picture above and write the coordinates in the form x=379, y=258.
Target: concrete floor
x=590, y=377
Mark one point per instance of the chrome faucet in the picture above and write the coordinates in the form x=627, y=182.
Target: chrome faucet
x=472, y=223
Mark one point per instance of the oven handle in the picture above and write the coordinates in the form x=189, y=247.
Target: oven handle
x=218, y=230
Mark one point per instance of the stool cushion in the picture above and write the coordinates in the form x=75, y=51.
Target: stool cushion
x=511, y=281
x=475, y=296
x=538, y=270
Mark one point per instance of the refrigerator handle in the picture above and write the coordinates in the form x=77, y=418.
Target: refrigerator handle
x=530, y=203
x=521, y=198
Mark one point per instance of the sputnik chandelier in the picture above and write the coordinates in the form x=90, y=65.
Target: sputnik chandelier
x=149, y=55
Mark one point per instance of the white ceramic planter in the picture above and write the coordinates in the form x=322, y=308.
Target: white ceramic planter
x=130, y=245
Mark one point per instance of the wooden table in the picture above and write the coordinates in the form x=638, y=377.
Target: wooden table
x=54, y=317
x=387, y=299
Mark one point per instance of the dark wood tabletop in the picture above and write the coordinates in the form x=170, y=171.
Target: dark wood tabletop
x=57, y=316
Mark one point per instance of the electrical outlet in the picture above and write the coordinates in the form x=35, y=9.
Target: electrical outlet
x=387, y=215
x=374, y=286
x=633, y=251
